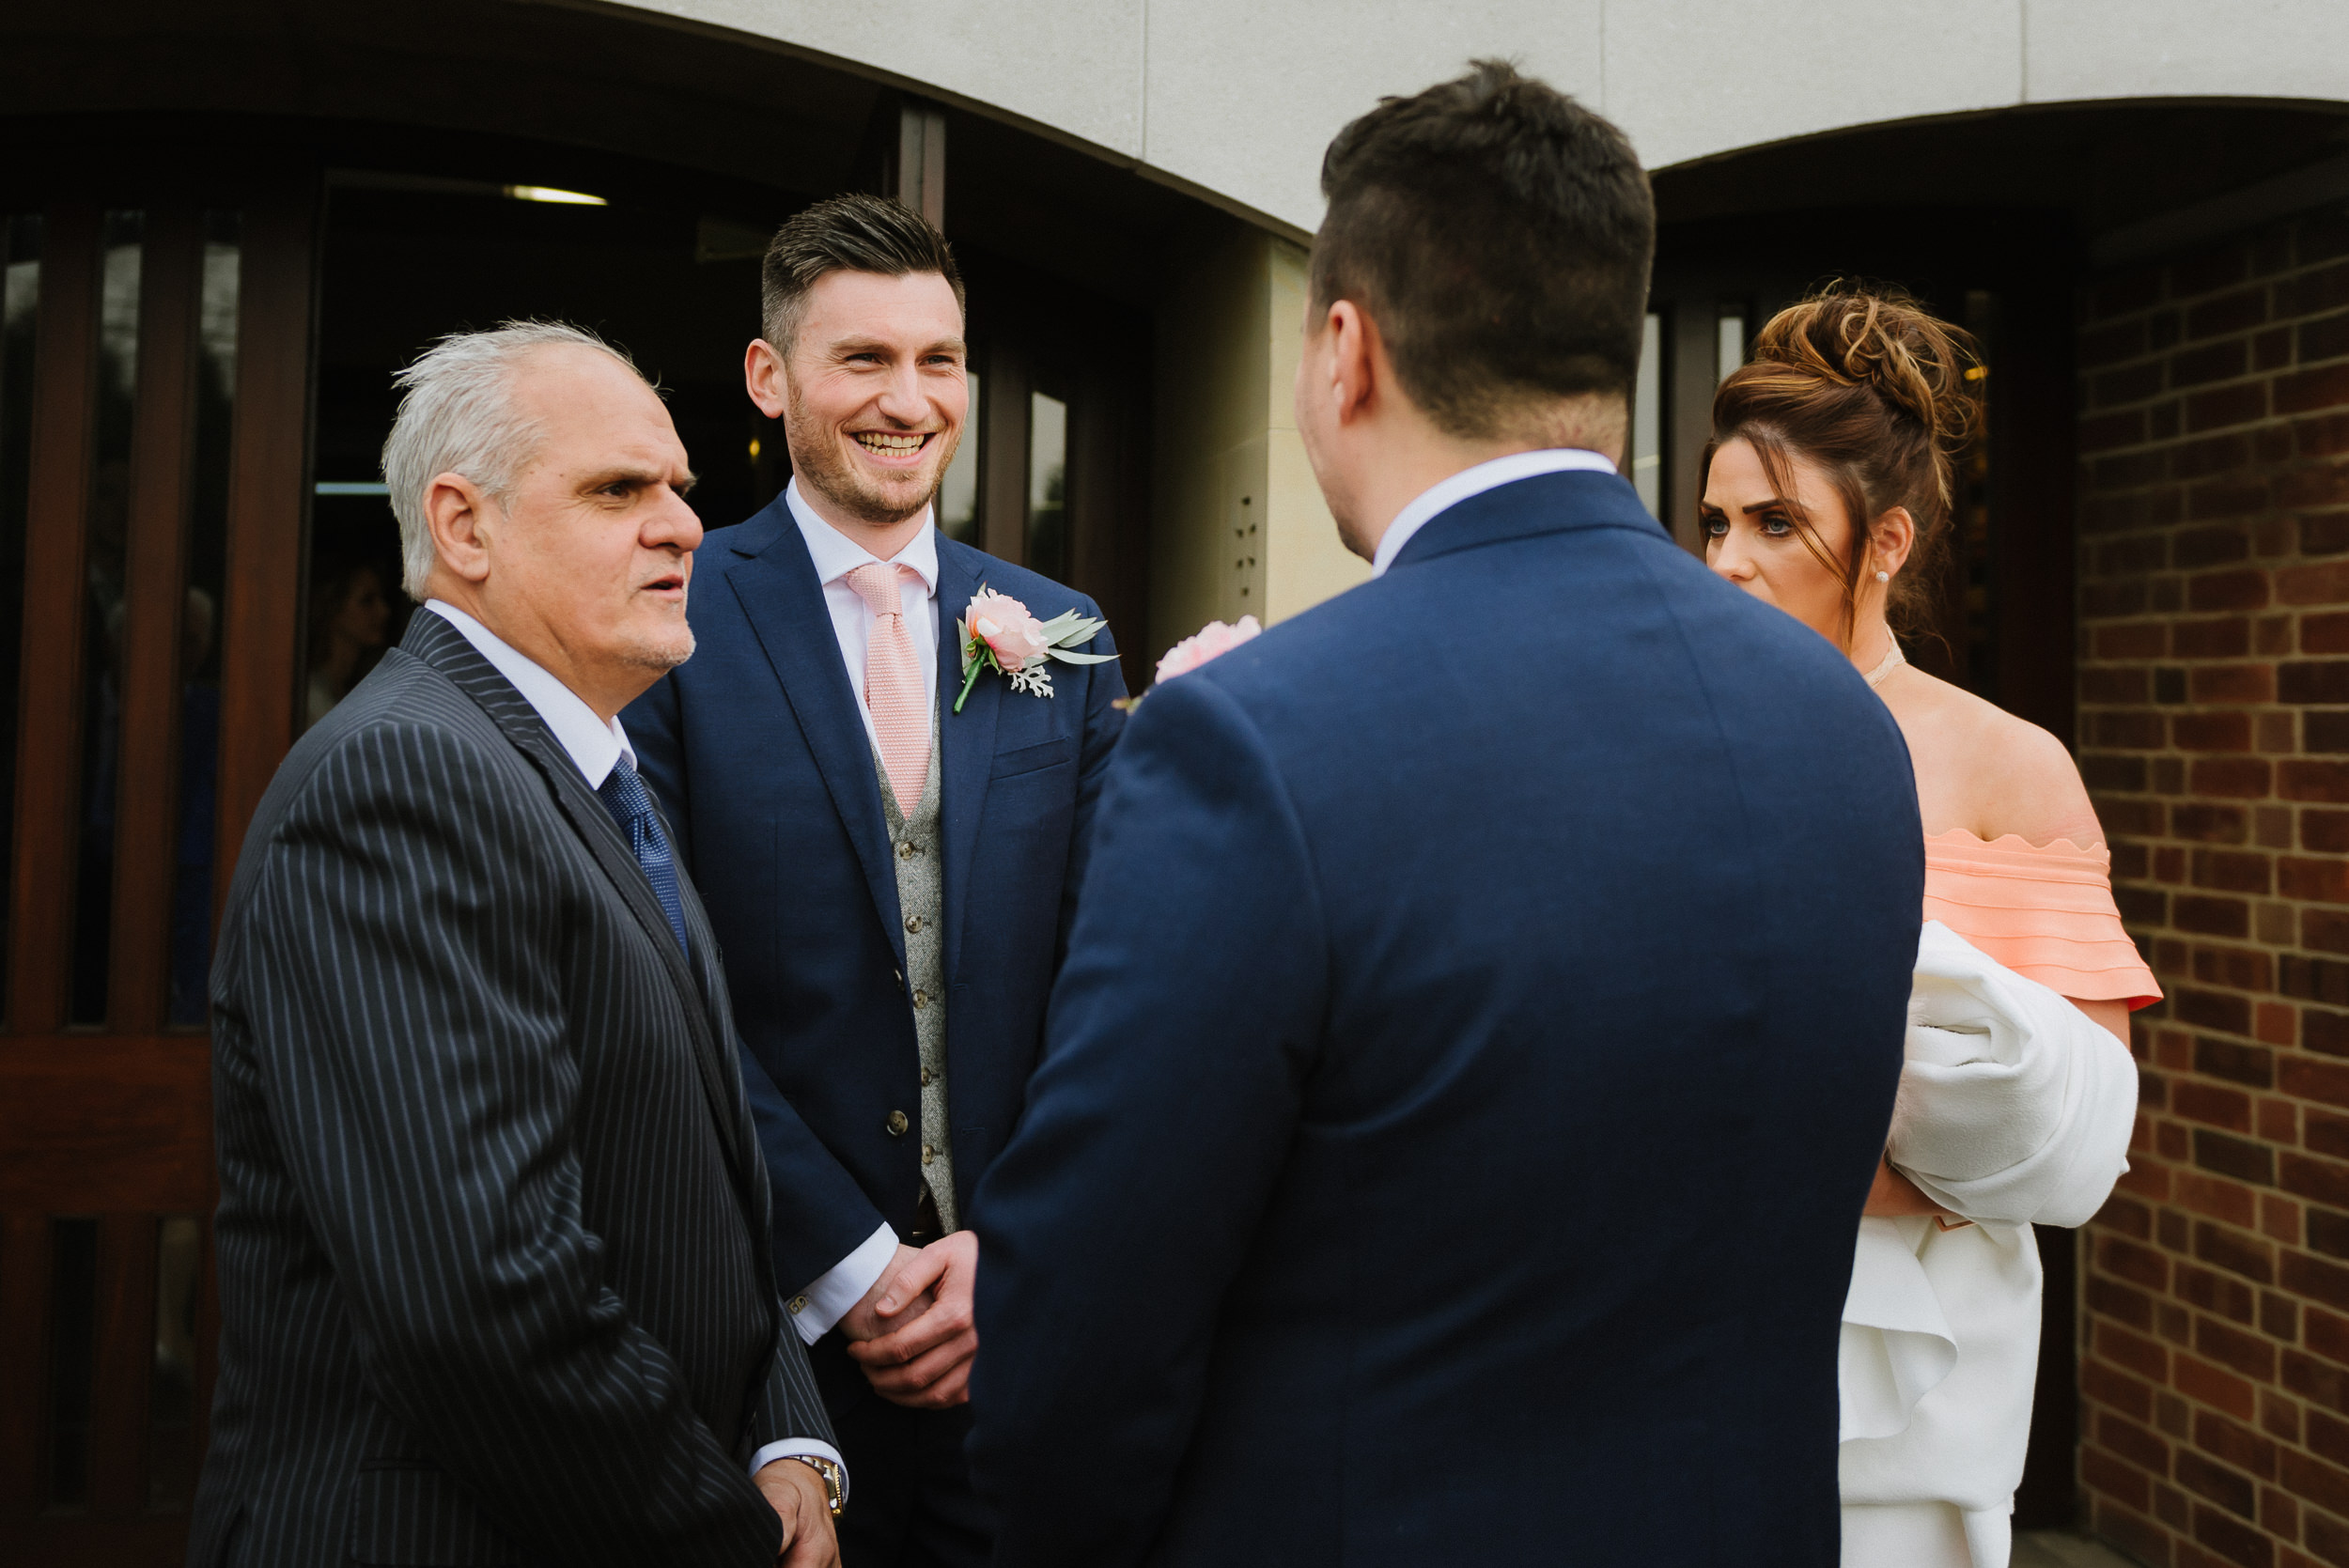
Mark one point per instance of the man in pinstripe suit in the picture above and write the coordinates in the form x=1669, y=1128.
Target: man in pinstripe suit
x=494, y=1268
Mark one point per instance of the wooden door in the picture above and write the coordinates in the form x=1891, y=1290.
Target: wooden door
x=154, y=401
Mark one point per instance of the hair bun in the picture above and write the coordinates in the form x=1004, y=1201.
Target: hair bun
x=1883, y=339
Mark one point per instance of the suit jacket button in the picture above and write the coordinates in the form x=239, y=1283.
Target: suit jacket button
x=897, y=1123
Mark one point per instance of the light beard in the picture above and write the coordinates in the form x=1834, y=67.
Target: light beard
x=820, y=466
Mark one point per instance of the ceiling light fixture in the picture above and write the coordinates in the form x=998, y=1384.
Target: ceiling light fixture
x=548, y=192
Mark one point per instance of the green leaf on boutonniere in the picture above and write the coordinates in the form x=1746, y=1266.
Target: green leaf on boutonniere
x=1069, y=630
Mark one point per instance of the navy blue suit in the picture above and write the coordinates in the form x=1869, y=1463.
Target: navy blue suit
x=1476, y=1040
x=757, y=750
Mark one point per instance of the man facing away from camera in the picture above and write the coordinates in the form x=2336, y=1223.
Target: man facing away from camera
x=494, y=1271
x=1487, y=999
x=890, y=846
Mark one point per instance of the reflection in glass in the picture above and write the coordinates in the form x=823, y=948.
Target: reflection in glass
x=1728, y=350
x=73, y=1355
x=1048, y=486
x=171, y=1383
x=1647, y=419
x=199, y=623
x=351, y=617
x=102, y=672
x=958, y=492
x=20, y=305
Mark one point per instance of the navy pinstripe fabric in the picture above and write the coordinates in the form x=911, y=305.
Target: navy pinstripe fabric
x=493, y=1230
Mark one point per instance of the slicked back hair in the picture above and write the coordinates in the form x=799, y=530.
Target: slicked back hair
x=1499, y=234
x=846, y=233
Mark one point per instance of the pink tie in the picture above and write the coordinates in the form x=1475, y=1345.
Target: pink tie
x=892, y=684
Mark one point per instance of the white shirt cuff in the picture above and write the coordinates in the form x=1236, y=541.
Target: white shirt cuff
x=814, y=1310
x=790, y=1446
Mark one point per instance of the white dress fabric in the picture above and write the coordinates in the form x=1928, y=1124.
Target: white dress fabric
x=2014, y=1109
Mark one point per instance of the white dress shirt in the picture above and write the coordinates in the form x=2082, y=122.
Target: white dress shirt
x=826, y=1301
x=595, y=746
x=1444, y=495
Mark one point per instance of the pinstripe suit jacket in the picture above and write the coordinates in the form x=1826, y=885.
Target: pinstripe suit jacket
x=494, y=1231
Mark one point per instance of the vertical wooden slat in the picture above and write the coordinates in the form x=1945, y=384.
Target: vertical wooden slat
x=1003, y=475
x=64, y=389
x=267, y=467
x=162, y=430
x=920, y=175
x=23, y=1337
x=207, y=1335
x=1691, y=335
x=124, y=1346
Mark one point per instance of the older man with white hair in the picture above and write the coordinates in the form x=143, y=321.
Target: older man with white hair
x=493, y=1228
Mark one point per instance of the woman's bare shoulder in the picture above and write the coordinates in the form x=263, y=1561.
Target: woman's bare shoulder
x=1982, y=769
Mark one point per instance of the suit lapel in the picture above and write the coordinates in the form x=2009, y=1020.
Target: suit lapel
x=965, y=741
x=785, y=604
x=442, y=646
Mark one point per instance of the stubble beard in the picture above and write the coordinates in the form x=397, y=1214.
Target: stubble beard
x=660, y=654
x=818, y=465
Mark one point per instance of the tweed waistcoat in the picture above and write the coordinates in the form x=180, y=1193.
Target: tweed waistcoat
x=922, y=904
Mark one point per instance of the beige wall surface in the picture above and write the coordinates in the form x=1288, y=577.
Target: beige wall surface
x=1237, y=97
x=1237, y=525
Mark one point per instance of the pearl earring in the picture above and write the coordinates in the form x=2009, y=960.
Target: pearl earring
x=1884, y=577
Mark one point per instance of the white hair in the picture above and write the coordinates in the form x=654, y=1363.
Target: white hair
x=458, y=414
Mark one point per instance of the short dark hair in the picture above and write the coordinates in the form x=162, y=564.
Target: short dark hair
x=1501, y=235
x=846, y=233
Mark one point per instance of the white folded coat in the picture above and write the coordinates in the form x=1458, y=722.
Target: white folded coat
x=2014, y=1109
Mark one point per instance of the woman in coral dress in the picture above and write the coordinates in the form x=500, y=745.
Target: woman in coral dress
x=1828, y=492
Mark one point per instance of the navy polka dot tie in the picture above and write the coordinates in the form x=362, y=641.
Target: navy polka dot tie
x=623, y=795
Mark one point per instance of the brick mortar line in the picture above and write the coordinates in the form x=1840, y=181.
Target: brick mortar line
x=2247, y=336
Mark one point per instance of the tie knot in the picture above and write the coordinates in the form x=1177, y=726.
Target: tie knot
x=876, y=583
x=624, y=794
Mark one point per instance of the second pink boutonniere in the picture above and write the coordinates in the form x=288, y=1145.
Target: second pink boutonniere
x=998, y=633
x=1211, y=640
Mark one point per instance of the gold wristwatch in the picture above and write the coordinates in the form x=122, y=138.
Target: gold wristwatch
x=836, y=1483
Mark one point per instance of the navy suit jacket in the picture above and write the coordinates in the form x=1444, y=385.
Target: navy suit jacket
x=1472, y=1057
x=755, y=750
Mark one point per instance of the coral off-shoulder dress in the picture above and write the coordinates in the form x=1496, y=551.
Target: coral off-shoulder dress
x=2045, y=911
x=1941, y=1333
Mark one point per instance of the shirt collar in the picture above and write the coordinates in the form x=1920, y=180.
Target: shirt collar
x=593, y=745
x=1444, y=495
x=837, y=556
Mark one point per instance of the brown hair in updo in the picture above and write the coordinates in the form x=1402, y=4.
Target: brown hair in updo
x=1867, y=385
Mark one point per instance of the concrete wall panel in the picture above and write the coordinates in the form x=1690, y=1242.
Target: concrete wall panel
x=1243, y=97
x=1688, y=78
x=1239, y=98
x=2190, y=48
x=1074, y=66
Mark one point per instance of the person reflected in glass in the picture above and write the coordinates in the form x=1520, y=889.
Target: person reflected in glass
x=1828, y=492
x=349, y=620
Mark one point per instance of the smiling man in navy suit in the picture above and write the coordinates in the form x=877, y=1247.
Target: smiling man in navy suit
x=889, y=864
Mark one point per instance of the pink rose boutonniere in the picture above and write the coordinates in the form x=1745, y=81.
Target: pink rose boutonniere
x=1211, y=640
x=998, y=633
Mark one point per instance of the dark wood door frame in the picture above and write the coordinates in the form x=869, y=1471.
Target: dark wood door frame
x=110, y=1127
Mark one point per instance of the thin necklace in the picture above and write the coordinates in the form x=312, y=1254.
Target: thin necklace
x=1891, y=661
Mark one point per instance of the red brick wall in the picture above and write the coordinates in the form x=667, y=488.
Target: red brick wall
x=2214, y=731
